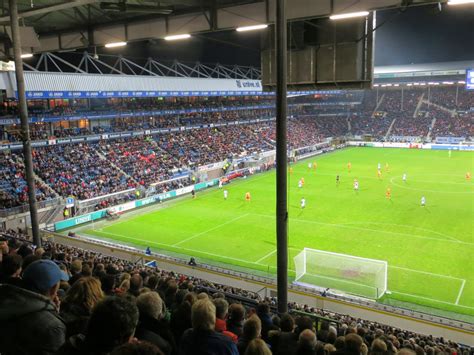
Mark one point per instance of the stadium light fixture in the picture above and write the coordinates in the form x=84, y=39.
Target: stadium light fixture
x=251, y=28
x=376, y=85
x=27, y=55
x=396, y=85
x=115, y=44
x=461, y=82
x=349, y=15
x=177, y=37
x=460, y=2
x=409, y=84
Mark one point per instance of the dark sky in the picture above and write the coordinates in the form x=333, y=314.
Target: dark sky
x=418, y=35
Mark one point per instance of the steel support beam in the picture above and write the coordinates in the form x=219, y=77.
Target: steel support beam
x=281, y=159
x=25, y=129
x=47, y=9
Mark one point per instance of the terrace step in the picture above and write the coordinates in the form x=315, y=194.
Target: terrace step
x=390, y=129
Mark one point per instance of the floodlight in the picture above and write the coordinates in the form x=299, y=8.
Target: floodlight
x=460, y=2
x=176, y=37
x=349, y=15
x=251, y=28
x=115, y=44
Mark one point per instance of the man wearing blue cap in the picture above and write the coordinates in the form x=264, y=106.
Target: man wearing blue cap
x=29, y=318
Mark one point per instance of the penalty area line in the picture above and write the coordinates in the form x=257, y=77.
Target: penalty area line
x=460, y=292
x=429, y=299
x=209, y=230
x=265, y=256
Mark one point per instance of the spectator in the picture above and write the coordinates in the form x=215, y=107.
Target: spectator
x=202, y=338
x=112, y=323
x=257, y=347
x=235, y=320
x=252, y=330
x=150, y=326
x=11, y=270
x=222, y=307
x=137, y=348
x=29, y=319
x=307, y=343
x=79, y=302
x=284, y=341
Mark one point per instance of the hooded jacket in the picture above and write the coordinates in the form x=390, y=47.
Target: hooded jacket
x=29, y=323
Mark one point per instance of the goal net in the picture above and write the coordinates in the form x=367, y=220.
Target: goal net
x=346, y=273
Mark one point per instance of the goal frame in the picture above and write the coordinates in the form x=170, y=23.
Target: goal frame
x=347, y=256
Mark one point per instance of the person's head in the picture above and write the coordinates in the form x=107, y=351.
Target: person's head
x=136, y=283
x=203, y=315
x=287, y=323
x=302, y=323
x=329, y=348
x=353, y=343
x=150, y=304
x=340, y=343
x=39, y=251
x=43, y=277
x=257, y=347
x=11, y=265
x=112, y=323
x=222, y=307
x=263, y=308
x=24, y=251
x=378, y=346
x=108, y=283
x=307, y=339
x=76, y=266
x=139, y=348
x=252, y=327
x=236, y=312
x=86, y=293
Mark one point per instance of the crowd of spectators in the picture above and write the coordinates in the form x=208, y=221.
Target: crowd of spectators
x=13, y=187
x=139, y=157
x=78, y=170
x=59, y=299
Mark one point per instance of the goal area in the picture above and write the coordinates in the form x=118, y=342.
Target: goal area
x=341, y=272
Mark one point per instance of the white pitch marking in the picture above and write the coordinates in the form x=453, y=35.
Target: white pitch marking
x=265, y=256
x=371, y=230
x=460, y=292
x=210, y=230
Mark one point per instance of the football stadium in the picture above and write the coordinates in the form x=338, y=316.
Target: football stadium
x=237, y=177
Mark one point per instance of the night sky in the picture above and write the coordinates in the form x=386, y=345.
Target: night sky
x=417, y=35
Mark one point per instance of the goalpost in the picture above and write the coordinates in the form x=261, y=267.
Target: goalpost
x=346, y=273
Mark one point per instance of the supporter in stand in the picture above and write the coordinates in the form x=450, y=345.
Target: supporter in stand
x=202, y=338
x=114, y=324
x=29, y=318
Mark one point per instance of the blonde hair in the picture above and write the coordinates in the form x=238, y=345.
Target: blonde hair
x=85, y=292
x=203, y=315
x=257, y=347
x=125, y=285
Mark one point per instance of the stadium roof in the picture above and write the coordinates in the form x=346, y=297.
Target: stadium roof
x=392, y=69
x=63, y=25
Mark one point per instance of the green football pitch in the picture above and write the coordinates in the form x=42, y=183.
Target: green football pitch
x=429, y=249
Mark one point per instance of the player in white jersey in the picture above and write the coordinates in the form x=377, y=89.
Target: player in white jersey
x=226, y=194
x=220, y=184
x=379, y=166
x=309, y=166
x=423, y=201
x=404, y=177
x=356, y=185
x=303, y=203
x=300, y=184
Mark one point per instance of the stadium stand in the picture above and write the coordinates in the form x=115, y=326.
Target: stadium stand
x=91, y=169
x=84, y=302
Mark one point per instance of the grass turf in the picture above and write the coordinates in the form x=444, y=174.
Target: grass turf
x=429, y=249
